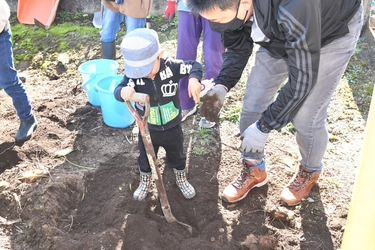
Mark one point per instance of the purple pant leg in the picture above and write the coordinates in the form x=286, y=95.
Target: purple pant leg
x=212, y=49
x=190, y=28
x=189, y=31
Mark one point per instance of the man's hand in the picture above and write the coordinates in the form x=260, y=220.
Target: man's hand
x=213, y=101
x=169, y=11
x=253, y=140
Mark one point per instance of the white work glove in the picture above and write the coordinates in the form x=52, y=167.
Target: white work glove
x=206, y=85
x=253, y=140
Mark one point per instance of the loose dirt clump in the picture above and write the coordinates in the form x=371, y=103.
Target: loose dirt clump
x=84, y=199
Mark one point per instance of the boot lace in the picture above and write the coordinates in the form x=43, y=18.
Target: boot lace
x=300, y=180
x=245, y=174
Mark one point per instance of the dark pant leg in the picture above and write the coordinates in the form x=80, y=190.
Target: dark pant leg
x=173, y=144
x=143, y=163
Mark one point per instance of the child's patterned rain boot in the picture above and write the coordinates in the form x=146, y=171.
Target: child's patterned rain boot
x=144, y=186
x=186, y=188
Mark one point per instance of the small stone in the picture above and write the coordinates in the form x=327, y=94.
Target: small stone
x=22, y=77
x=221, y=230
x=63, y=58
x=212, y=239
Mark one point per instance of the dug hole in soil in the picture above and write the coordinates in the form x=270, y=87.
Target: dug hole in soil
x=84, y=200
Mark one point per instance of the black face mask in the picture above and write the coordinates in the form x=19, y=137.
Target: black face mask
x=234, y=24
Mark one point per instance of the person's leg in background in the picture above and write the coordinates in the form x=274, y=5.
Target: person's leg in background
x=213, y=59
x=212, y=49
x=134, y=23
x=110, y=26
x=12, y=85
x=187, y=44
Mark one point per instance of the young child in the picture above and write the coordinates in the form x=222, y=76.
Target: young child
x=147, y=72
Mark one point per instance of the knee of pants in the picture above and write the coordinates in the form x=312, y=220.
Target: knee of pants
x=248, y=118
x=134, y=23
x=305, y=125
x=111, y=24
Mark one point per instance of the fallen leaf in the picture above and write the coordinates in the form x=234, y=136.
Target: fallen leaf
x=63, y=152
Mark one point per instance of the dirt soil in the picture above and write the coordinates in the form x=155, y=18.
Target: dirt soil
x=84, y=200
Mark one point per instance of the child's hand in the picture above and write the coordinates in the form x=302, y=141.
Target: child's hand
x=127, y=92
x=194, y=89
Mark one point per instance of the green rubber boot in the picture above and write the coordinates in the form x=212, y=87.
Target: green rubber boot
x=109, y=50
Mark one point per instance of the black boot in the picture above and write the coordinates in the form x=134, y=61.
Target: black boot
x=26, y=129
x=109, y=50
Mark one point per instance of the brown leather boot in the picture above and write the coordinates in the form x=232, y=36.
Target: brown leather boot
x=299, y=187
x=249, y=178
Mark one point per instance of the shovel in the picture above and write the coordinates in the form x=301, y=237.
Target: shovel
x=50, y=18
x=145, y=134
x=97, y=21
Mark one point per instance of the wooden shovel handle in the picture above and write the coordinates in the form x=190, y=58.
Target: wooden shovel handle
x=140, y=97
x=141, y=121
